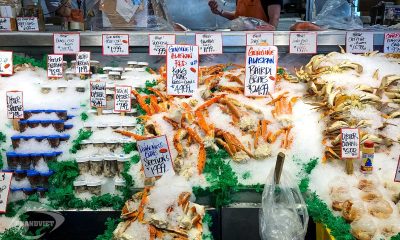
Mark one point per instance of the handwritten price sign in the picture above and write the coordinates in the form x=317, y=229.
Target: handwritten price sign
x=28, y=24
x=359, y=42
x=258, y=38
x=261, y=64
x=155, y=156
x=82, y=63
x=182, y=69
x=66, y=43
x=116, y=44
x=6, y=63
x=350, y=143
x=15, y=104
x=392, y=42
x=54, y=66
x=98, y=94
x=303, y=43
x=122, y=101
x=209, y=43
x=5, y=182
x=5, y=24
x=158, y=44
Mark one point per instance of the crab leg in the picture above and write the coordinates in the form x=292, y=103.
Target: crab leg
x=194, y=135
x=174, y=124
x=158, y=93
x=201, y=121
x=201, y=159
x=257, y=135
x=264, y=125
x=274, y=100
x=154, y=105
x=224, y=145
x=132, y=135
x=210, y=102
x=142, y=204
x=142, y=102
x=179, y=135
x=272, y=137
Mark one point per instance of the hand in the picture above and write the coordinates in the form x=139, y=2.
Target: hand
x=265, y=27
x=214, y=7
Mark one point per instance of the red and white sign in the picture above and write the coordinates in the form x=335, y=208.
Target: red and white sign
x=182, y=69
x=122, y=99
x=359, y=42
x=5, y=24
x=392, y=42
x=209, y=43
x=350, y=143
x=28, y=24
x=98, y=94
x=82, y=63
x=6, y=63
x=257, y=38
x=303, y=42
x=261, y=69
x=115, y=44
x=66, y=43
x=55, y=66
x=5, y=182
x=15, y=104
x=158, y=44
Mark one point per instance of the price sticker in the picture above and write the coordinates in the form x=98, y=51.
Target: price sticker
x=98, y=94
x=303, y=42
x=115, y=44
x=6, y=63
x=82, y=63
x=392, y=42
x=209, y=43
x=27, y=24
x=350, y=143
x=15, y=104
x=66, y=43
x=258, y=38
x=5, y=24
x=54, y=66
x=359, y=42
x=5, y=182
x=122, y=99
x=158, y=44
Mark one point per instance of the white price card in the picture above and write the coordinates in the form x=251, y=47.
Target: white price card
x=82, y=63
x=98, y=94
x=5, y=182
x=261, y=69
x=27, y=24
x=155, y=156
x=6, y=63
x=359, y=42
x=122, y=99
x=397, y=175
x=258, y=38
x=15, y=104
x=116, y=44
x=158, y=44
x=66, y=43
x=303, y=42
x=209, y=43
x=350, y=143
x=55, y=66
x=392, y=42
x=5, y=24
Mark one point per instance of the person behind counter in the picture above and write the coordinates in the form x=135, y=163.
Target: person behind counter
x=266, y=10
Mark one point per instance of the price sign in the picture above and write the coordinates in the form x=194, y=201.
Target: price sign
x=261, y=65
x=359, y=42
x=6, y=63
x=82, y=63
x=397, y=175
x=392, y=42
x=15, y=104
x=5, y=24
x=54, y=66
x=98, y=94
x=350, y=143
x=122, y=99
x=27, y=24
x=66, y=43
x=158, y=44
x=5, y=182
x=155, y=156
x=303, y=42
x=209, y=43
x=258, y=38
x=182, y=69
x=116, y=44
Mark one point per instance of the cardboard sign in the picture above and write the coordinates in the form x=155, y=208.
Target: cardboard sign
x=27, y=24
x=5, y=24
x=303, y=42
x=258, y=38
x=209, y=43
x=155, y=156
x=6, y=63
x=66, y=43
x=350, y=143
x=54, y=66
x=359, y=42
x=98, y=94
x=82, y=63
x=15, y=104
x=182, y=69
x=397, y=175
x=115, y=44
x=158, y=44
x=392, y=42
x=5, y=182
x=122, y=99
x=261, y=65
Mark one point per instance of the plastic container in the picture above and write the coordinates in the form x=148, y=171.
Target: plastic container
x=12, y=160
x=118, y=69
x=132, y=64
x=15, y=140
x=368, y=152
x=54, y=140
x=44, y=178
x=61, y=89
x=40, y=138
x=50, y=157
x=69, y=117
x=129, y=69
x=33, y=177
x=28, y=191
x=45, y=89
x=41, y=191
x=110, y=166
x=27, y=114
x=94, y=66
x=96, y=165
x=94, y=187
x=64, y=137
x=83, y=165
x=106, y=70
x=119, y=184
x=24, y=160
x=62, y=114
x=58, y=125
x=35, y=158
x=114, y=75
x=142, y=64
x=23, y=125
x=33, y=123
x=19, y=174
x=121, y=160
x=68, y=126
x=80, y=186
x=46, y=123
x=80, y=89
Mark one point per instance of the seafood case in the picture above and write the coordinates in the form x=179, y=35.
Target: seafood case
x=80, y=145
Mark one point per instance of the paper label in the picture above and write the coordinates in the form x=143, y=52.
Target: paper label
x=6, y=63
x=66, y=43
x=116, y=44
x=359, y=42
x=5, y=182
x=209, y=43
x=261, y=65
x=392, y=42
x=98, y=94
x=82, y=63
x=54, y=66
x=122, y=99
x=350, y=143
x=397, y=175
x=158, y=44
x=15, y=104
x=28, y=24
x=155, y=156
x=5, y=24
x=303, y=43
x=126, y=9
x=182, y=69
x=258, y=38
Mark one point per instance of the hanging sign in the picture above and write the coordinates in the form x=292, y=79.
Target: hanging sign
x=258, y=38
x=6, y=63
x=122, y=99
x=28, y=24
x=98, y=94
x=15, y=104
x=392, y=42
x=303, y=42
x=209, y=43
x=54, y=66
x=66, y=43
x=350, y=143
x=359, y=42
x=82, y=63
x=5, y=182
x=115, y=44
x=158, y=44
